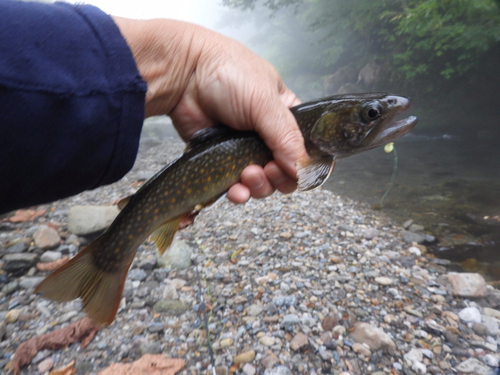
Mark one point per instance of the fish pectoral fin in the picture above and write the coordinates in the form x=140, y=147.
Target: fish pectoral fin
x=164, y=234
x=99, y=289
x=312, y=173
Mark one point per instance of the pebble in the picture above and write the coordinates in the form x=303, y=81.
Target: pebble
x=361, y=349
x=50, y=256
x=46, y=238
x=12, y=315
x=137, y=274
x=384, y=280
x=470, y=314
x=171, y=307
x=248, y=369
x=46, y=365
x=244, y=357
x=300, y=341
x=30, y=282
x=372, y=336
x=83, y=220
x=19, y=262
x=267, y=340
x=177, y=256
x=278, y=370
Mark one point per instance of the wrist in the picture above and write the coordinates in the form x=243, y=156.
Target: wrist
x=166, y=57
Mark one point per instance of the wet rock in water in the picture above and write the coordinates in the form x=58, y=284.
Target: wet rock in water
x=374, y=337
x=50, y=256
x=83, y=220
x=46, y=238
x=470, y=314
x=171, y=307
x=19, y=263
x=177, y=256
x=473, y=366
x=465, y=284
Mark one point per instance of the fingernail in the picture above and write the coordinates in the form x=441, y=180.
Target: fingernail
x=256, y=182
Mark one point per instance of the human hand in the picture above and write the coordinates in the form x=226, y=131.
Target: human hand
x=199, y=78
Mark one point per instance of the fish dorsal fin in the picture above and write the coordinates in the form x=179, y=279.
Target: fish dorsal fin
x=164, y=234
x=312, y=173
x=203, y=135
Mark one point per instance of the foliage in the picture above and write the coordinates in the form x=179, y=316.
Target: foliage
x=437, y=39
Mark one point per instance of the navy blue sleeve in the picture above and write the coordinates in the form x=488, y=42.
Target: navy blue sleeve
x=71, y=102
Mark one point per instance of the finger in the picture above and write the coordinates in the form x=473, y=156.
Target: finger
x=238, y=193
x=279, y=129
x=254, y=178
x=279, y=179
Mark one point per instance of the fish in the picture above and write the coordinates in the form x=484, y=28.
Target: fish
x=333, y=128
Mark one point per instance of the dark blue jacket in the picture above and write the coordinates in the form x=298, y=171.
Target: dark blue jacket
x=71, y=102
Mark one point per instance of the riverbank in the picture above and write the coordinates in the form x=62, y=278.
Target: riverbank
x=306, y=283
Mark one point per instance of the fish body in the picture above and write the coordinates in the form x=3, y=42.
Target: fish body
x=333, y=128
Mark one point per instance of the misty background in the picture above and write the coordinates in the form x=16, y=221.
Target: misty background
x=443, y=54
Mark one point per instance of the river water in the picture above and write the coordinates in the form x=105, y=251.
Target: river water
x=448, y=183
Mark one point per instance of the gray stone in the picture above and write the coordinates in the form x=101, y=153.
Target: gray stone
x=46, y=238
x=170, y=292
x=470, y=314
x=137, y=274
x=50, y=256
x=254, y=310
x=178, y=256
x=369, y=233
x=491, y=360
x=492, y=325
x=289, y=320
x=171, y=307
x=465, y=284
x=410, y=237
x=374, y=337
x=84, y=220
x=19, y=262
x=278, y=370
x=473, y=366
x=30, y=282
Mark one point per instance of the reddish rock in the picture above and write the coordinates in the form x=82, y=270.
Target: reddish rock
x=328, y=323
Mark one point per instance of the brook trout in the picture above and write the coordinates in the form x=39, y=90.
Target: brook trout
x=333, y=128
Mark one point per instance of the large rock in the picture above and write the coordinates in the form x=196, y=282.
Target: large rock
x=84, y=220
x=374, y=337
x=178, y=256
x=465, y=284
x=46, y=238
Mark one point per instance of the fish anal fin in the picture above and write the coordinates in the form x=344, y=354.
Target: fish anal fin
x=100, y=290
x=313, y=173
x=164, y=234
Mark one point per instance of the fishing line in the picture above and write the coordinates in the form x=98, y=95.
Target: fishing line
x=205, y=319
x=390, y=148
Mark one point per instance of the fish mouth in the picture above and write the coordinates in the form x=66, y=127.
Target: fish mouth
x=391, y=131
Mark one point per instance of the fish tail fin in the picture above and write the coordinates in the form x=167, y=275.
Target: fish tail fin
x=100, y=290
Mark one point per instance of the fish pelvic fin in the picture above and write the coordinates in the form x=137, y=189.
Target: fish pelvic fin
x=164, y=234
x=100, y=290
x=313, y=173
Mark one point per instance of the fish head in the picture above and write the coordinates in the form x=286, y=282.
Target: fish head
x=350, y=124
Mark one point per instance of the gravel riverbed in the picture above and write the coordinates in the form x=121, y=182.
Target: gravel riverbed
x=307, y=283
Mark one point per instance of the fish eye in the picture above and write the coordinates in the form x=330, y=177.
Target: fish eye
x=372, y=112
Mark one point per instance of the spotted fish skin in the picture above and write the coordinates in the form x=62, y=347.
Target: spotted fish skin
x=333, y=128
